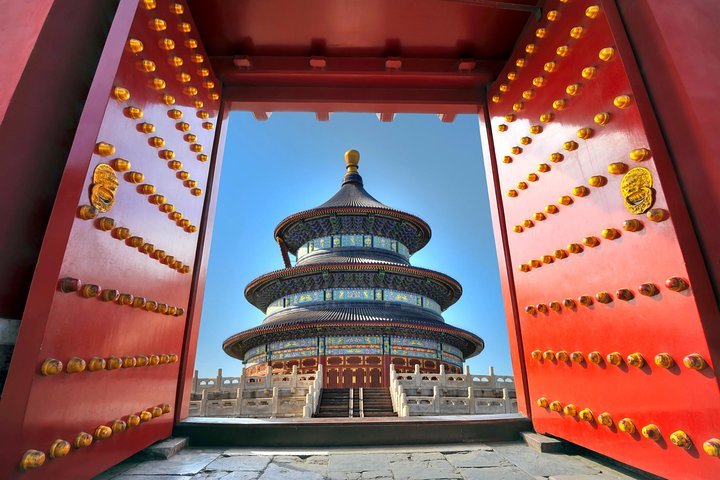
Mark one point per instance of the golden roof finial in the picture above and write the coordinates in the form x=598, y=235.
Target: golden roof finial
x=352, y=159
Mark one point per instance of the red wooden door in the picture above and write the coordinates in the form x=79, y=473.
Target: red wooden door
x=108, y=330
x=359, y=377
x=613, y=313
x=375, y=378
x=348, y=375
x=332, y=378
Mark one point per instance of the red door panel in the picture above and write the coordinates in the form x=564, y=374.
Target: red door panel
x=126, y=341
x=571, y=126
x=347, y=377
x=375, y=378
x=359, y=377
x=333, y=378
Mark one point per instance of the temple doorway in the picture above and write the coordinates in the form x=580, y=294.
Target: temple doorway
x=304, y=169
x=590, y=167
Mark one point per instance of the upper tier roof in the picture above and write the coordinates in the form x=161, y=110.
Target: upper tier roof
x=352, y=194
x=352, y=200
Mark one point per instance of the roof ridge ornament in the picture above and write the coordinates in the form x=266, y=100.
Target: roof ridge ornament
x=352, y=159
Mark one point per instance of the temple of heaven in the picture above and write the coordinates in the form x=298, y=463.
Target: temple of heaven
x=352, y=302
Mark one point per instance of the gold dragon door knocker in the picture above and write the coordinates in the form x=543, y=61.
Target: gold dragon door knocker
x=636, y=188
x=104, y=185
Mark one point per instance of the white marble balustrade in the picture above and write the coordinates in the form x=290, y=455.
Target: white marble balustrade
x=451, y=394
x=268, y=396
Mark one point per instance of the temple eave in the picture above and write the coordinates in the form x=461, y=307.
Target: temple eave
x=238, y=344
x=419, y=274
x=315, y=213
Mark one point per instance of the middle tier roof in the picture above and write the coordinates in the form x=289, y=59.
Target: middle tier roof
x=267, y=288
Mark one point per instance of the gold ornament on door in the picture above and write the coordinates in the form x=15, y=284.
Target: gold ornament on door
x=636, y=189
x=104, y=185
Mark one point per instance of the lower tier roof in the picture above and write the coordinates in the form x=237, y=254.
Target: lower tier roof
x=352, y=320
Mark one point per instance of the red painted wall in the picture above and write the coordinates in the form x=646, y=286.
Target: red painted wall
x=20, y=25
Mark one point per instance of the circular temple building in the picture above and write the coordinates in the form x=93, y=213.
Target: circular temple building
x=352, y=302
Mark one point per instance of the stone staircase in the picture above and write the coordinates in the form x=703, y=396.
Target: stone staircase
x=334, y=402
x=377, y=403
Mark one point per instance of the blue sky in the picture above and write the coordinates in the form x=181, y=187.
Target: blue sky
x=292, y=162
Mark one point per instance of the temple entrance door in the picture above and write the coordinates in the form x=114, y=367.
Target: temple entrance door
x=332, y=378
x=597, y=243
x=348, y=377
x=103, y=361
x=374, y=378
x=359, y=378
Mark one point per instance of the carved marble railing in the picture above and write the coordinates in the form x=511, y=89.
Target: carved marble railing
x=451, y=394
x=279, y=395
x=267, y=381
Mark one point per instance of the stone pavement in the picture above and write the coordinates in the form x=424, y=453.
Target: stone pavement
x=494, y=461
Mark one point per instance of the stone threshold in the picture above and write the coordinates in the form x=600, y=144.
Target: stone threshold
x=375, y=431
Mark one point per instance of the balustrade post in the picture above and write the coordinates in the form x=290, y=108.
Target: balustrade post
x=275, y=402
x=309, y=401
x=471, y=400
x=238, y=401
x=418, y=379
x=442, y=376
x=203, y=404
x=219, y=380
x=307, y=409
x=268, y=377
x=241, y=385
x=362, y=406
x=506, y=400
x=195, y=382
x=351, y=404
x=294, y=377
x=436, y=400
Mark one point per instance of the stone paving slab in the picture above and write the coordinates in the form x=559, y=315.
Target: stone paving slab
x=376, y=474
x=429, y=470
x=218, y=475
x=544, y=464
x=494, y=473
x=422, y=456
x=235, y=463
x=610, y=475
x=502, y=461
x=361, y=462
x=151, y=477
x=477, y=459
x=286, y=471
x=187, y=462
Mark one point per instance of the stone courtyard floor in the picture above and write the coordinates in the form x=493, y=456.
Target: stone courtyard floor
x=492, y=461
